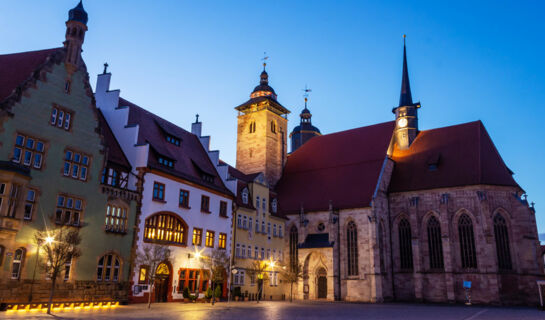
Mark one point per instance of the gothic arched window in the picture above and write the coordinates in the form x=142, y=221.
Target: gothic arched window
x=467, y=242
x=502, y=243
x=294, y=240
x=352, y=249
x=108, y=268
x=435, y=246
x=405, y=246
x=165, y=228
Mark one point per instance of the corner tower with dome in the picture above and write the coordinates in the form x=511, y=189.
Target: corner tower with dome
x=305, y=130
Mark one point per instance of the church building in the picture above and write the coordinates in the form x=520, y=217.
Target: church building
x=390, y=212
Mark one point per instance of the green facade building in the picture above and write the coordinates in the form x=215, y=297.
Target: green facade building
x=61, y=165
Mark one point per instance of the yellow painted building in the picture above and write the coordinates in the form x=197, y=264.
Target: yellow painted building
x=258, y=239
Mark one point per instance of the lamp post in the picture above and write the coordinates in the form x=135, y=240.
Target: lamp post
x=48, y=240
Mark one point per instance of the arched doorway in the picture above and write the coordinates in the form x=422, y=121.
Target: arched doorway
x=162, y=279
x=321, y=283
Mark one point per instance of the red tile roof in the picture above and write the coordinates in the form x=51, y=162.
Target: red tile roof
x=114, y=153
x=190, y=158
x=463, y=154
x=15, y=68
x=343, y=167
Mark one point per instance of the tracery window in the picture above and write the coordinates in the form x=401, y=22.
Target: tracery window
x=435, y=246
x=352, y=248
x=294, y=240
x=502, y=243
x=467, y=242
x=108, y=268
x=165, y=228
x=405, y=247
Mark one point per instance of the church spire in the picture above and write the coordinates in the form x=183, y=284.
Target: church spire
x=405, y=99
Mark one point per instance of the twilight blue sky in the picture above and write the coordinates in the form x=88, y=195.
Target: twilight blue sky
x=468, y=60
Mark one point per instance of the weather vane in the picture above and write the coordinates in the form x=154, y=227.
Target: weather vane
x=264, y=59
x=306, y=91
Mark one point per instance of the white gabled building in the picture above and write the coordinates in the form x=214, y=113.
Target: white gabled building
x=186, y=195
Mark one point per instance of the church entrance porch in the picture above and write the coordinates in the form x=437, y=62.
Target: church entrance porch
x=318, y=275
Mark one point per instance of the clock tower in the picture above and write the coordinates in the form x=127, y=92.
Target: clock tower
x=406, y=113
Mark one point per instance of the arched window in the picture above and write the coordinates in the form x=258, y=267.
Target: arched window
x=352, y=248
x=108, y=268
x=252, y=127
x=17, y=263
x=294, y=240
x=502, y=243
x=467, y=242
x=405, y=246
x=273, y=126
x=381, y=247
x=165, y=228
x=435, y=245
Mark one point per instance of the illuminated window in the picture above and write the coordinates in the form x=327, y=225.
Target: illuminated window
x=158, y=191
x=165, y=161
x=116, y=219
x=108, y=268
x=165, y=228
x=197, y=236
x=28, y=151
x=69, y=210
x=173, y=140
x=210, y=238
x=143, y=274
x=76, y=165
x=222, y=244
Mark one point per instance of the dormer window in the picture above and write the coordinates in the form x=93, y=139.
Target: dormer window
x=207, y=178
x=166, y=162
x=245, y=196
x=175, y=141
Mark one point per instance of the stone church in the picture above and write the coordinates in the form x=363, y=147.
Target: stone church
x=389, y=212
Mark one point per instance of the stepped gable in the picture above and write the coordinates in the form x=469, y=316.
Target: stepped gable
x=115, y=154
x=343, y=167
x=452, y=156
x=17, y=68
x=190, y=159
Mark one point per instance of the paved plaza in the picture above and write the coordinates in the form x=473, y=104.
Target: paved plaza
x=296, y=310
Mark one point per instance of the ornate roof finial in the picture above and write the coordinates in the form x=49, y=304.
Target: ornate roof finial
x=405, y=98
x=197, y=118
x=265, y=58
x=306, y=91
x=105, y=68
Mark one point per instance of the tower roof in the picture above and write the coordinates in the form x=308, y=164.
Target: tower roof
x=263, y=89
x=78, y=14
x=405, y=99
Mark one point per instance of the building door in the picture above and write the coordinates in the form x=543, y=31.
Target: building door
x=322, y=284
x=162, y=277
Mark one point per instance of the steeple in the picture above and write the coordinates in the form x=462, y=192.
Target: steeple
x=305, y=130
x=76, y=26
x=405, y=99
x=406, y=113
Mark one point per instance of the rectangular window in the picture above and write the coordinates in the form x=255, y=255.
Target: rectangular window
x=197, y=236
x=28, y=151
x=237, y=251
x=239, y=221
x=223, y=209
x=68, y=211
x=76, y=165
x=166, y=162
x=67, y=268
x=262, y=226
x=256, y=225
x=116, y=219
x=249, y=252
x=244, y=222
x=256, y=251
x=60, y=118
x=243, y=252
x=209, y=239
x=269, y=228
x=274, y=230
x=280, y=231
x=173, y=140
x=205, y=204
x=250, y=224
x=184, y=198
x=143, y=275
x=158, y=191
x=29, y=204
x=268, y=254
x=222, y=244
x=262, y=253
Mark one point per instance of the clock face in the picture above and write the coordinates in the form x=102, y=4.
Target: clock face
x=402, y=123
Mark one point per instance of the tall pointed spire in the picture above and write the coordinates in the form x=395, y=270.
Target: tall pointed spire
x=405, y=98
